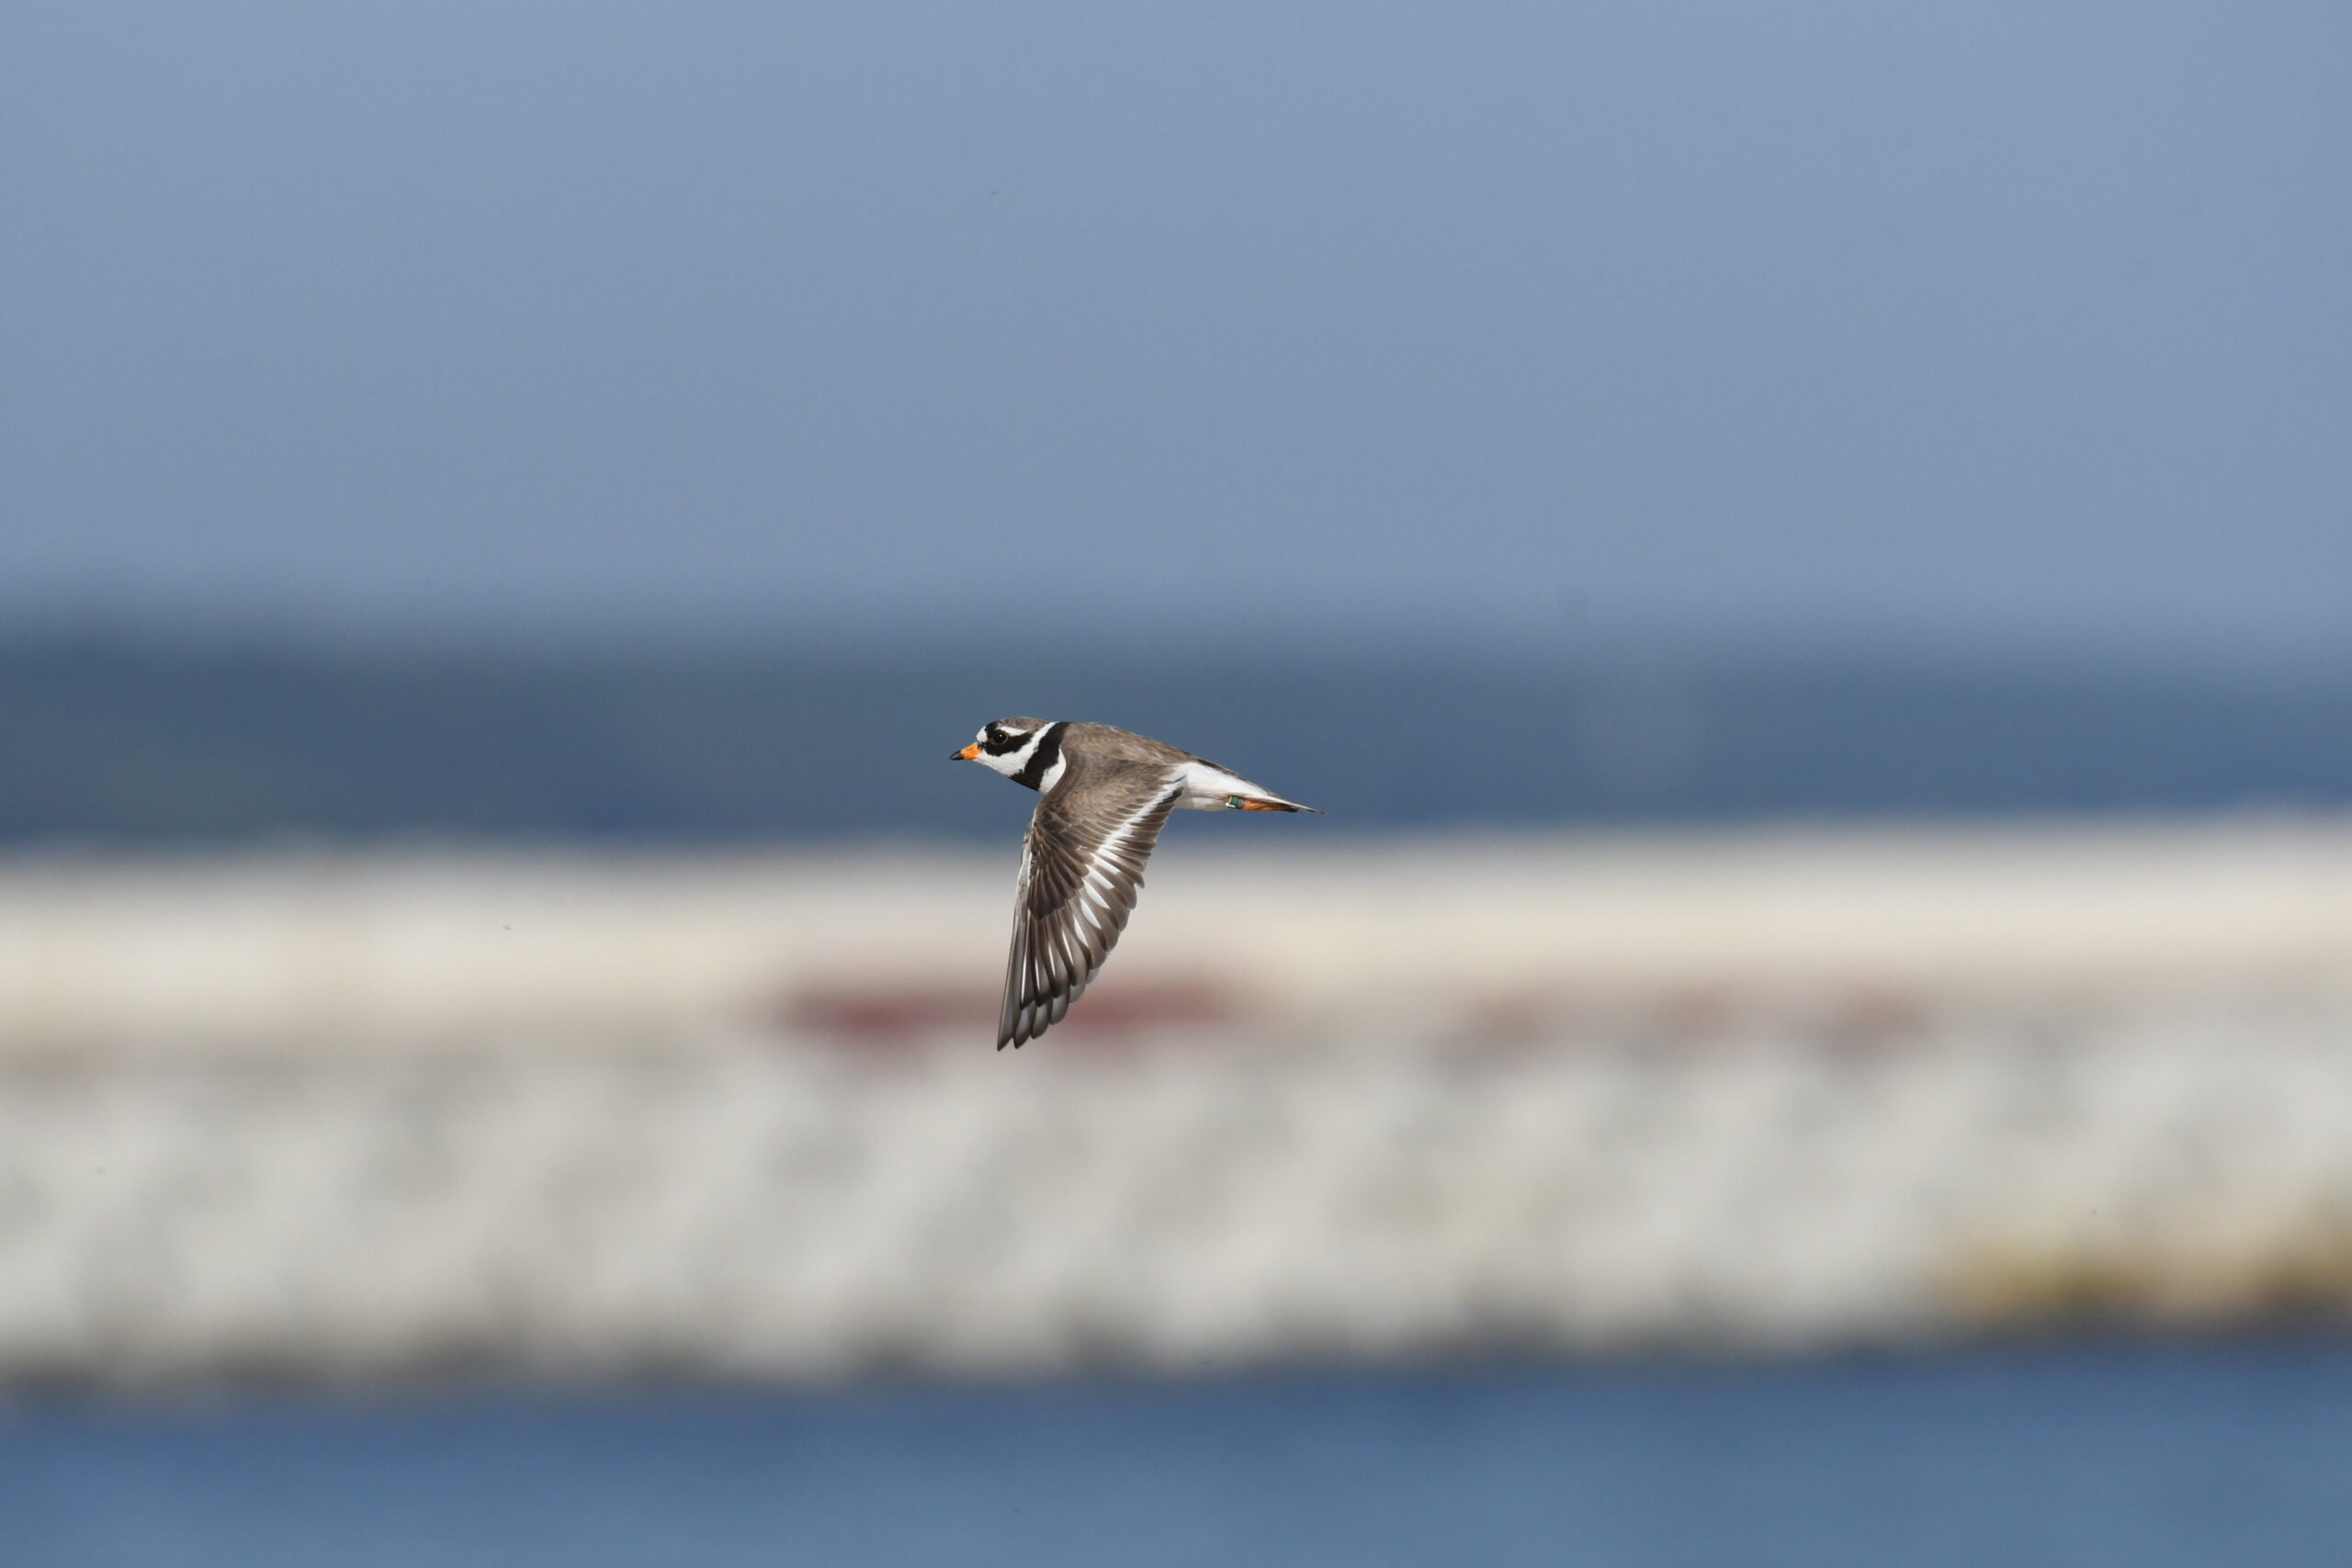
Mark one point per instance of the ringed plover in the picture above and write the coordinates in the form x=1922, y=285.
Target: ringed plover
x=1104, y=795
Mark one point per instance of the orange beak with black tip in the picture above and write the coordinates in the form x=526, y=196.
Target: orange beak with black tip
x=968, y=753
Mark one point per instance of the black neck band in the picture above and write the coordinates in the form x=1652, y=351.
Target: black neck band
x=1048, y=752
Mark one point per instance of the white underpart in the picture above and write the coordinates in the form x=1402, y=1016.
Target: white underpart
x=1053, y=775
x=1208, y=787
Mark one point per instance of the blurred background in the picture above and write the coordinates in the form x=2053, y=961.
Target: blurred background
x=1806, y=551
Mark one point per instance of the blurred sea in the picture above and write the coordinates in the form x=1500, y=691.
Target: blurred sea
x=2146, y=1455
x=120, y=742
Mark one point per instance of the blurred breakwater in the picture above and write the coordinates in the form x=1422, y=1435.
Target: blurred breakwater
x=320, y=1118
x=1293, y=937
x=797, y=1214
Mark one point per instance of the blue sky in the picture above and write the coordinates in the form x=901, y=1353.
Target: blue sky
x=1992, y=325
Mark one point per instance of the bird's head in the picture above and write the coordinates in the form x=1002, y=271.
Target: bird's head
x=1005, y=745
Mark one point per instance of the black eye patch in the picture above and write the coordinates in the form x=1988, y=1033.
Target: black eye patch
x=1000, y=741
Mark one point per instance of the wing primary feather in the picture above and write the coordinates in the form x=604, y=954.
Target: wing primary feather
x=1078, y=881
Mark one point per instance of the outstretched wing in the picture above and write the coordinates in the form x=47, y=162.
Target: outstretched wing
x=1081, y=866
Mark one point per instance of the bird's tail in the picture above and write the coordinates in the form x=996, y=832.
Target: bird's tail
x=1270, y=803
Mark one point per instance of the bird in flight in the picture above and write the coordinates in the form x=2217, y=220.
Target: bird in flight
x=1103, y=794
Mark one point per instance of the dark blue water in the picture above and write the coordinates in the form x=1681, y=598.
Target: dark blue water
x=128, y=743
x=2139, y=1456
